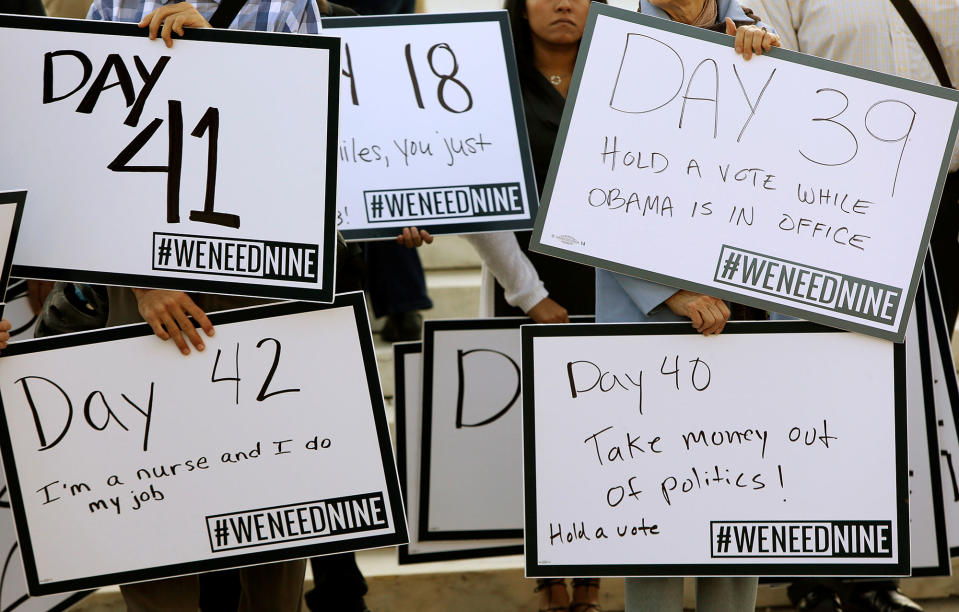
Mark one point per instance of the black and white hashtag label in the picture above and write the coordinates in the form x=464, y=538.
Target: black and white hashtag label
x=395, y=205
x=286, y=261
x=303, y=521
x=801, y=539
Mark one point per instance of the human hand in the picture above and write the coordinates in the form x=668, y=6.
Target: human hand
x=548, y=311
x=37, y=292
x=751, y=39
x=168, y=312
x=708, y=314
x=4, y=333
x=174, y=18
x=412, y=238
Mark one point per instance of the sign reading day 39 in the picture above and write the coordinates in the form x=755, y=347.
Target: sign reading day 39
x=432, y=131
x=172, y=168
x=787, y=182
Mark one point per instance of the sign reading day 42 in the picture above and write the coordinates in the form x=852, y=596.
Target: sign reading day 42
x=432, y=131
x=787, y=182
x=171, y=168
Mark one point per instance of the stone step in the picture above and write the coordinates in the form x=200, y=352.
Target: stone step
x=449, y=252
x=481, y=585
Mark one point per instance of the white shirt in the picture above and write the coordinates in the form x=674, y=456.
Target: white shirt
x=869, y=34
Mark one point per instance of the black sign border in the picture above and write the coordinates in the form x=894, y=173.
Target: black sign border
x=353, y=300
x=512, y=73
x=324, y=293
x=400, y=351
x=909, y=293
x=943, y=566
x=534, y=570
x=18, y=199
x=429, y=350
x=944, y=341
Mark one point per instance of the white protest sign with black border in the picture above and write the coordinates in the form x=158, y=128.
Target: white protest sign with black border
x=929, y=544
x=471, y=481
x=13, y=582
x=270, y=445
x=432, y=130
x=408, y=364
x=174, y=169
x=789, y=182
x=945, y=393
x=709, y=456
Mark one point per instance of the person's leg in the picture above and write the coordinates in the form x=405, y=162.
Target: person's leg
x=277, y=587
x=181, y=594
x=585, y=595
x=654, y=594
x=397, y=288
x=815, y=594
x=338, y=584
x=220, y=591
x=726, y=594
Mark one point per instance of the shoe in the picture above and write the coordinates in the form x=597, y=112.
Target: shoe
x=889, y=600
x=403, y=327
x=820, y=600
x=548, y=584
x=578, y=606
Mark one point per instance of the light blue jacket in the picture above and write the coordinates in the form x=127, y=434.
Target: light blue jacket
x=621, y=298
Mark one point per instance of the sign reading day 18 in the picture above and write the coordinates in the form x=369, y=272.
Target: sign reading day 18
x=171, y=169
x=270, y=445
x=787, y=182
x=432, y=126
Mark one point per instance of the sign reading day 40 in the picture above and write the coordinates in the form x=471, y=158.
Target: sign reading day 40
x=787, y=182
x=167, y=167
x=432, y=126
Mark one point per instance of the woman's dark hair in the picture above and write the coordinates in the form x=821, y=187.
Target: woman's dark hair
x=522, y=39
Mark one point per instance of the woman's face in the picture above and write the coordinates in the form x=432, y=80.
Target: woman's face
x=559, y=22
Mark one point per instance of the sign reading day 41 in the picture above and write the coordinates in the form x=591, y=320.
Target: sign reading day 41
x=787, y=182
x=171, y=168
x=432, y=126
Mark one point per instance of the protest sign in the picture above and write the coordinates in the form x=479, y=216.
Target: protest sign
x=408, y=364
x=13, y=583
x=708, y=456
x=173, y=168
x=929, y=544
x=432, y=130
x=788, y=182
x=945, y=393
x=272, y=444
x=471, y=484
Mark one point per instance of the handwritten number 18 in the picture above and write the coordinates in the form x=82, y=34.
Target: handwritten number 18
x=445, y=78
